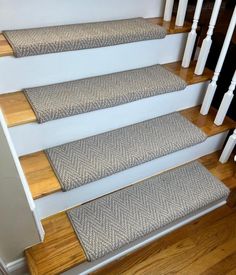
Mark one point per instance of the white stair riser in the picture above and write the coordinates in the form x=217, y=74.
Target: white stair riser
x=61, y=201
x=19, y=73
x=33, y=137
x=17, y=14
x=89, y=267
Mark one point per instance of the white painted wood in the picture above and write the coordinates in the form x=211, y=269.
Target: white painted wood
x=18, y=267
x=181, y=13
x=225, y=104
x=192, y=36
x=15, y=14
x=20, y=226
x=206, y=45
x=19, y=73
x=3, y=268
x=168, y=10
x=213, y=85
x=89, y=267
x=33, y=137
x=61, y=201
x=228, y=148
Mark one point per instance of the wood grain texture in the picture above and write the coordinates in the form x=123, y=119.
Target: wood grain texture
x=6, y=49
x=43, y=181
x=60, y=250
x=18, y=111
x=210, y=239
x=187, y=74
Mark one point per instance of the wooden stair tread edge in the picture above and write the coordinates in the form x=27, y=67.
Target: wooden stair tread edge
x=60, y=250
x=43, y=181
x=6, y=49
x=18, y=111
x=60, y=235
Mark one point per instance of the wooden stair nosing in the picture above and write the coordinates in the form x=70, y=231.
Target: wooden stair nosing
x=6, y=49
x=43, y=181
x=18, y=111
x=47, y=257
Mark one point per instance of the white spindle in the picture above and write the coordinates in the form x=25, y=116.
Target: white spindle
x=192, y=36
x=212, y=86
x=225, y=104
x=206, y=45
x=228, y=148
x=168, y=10
x=181, y=13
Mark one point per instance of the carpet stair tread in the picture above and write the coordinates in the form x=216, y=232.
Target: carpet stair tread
x=60, y=235
x=85, y=95
x=17, y=109
x=55, y=39
x=7, y=50
x=43, y=181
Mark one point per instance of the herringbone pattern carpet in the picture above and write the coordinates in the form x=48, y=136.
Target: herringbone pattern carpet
x=99, y=156
x=110, y=222
x=46, y=40
x=81, y=96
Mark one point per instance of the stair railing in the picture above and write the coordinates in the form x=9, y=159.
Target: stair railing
x=192, y=36
x=206, y=45
x=228, y=148
x=168, y=10
x=213, y=85
x=181, y=13
x=226, y=101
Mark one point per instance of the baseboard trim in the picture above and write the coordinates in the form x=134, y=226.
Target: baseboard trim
x=18, y=266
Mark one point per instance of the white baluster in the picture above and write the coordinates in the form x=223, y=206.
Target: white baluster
x=212, y=86
x=192, y=36
x=182, y=8
x=225, y=104
x=206, y=45
x=228, y=148
x=168, y=10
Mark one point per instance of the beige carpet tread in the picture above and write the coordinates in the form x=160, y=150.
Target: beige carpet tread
x=6, y=49
x=60, y=235
x=43, y=181
x=18, y=111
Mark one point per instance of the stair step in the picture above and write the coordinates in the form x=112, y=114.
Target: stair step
x=37, y=41
x=43, y=181
x=7, y=50
x=60, y=235
x=18, y=111
x=85, y=95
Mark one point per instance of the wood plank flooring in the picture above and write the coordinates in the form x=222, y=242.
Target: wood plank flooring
x=43, y=181
x=210, y=240
x=18, y=111
x=6, y=49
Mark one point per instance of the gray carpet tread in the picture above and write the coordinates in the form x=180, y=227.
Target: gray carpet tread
x=85, y=95
x=93, y=158
x=120, y=218
x=45, y=40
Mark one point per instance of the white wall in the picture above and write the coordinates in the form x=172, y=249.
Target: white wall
x=20, y=13
x=19, y=226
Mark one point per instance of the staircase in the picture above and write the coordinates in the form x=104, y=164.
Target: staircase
x=103, y=125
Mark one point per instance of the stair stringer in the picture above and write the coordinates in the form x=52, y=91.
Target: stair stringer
x=19, y=73
x=61, y=201
x=34, y=137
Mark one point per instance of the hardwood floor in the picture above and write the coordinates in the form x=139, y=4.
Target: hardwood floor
x=206, y=246
x=210, y=240
x=43, y=181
